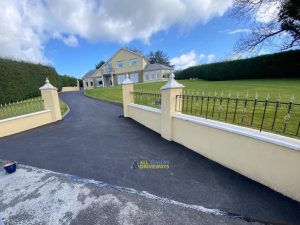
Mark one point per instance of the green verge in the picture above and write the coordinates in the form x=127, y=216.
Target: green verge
x=27, y=106
x=63, y=107
x=286, y=88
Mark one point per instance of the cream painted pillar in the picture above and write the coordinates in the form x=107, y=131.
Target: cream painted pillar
x=127, y=88
x=51, y=100
x=168, y=104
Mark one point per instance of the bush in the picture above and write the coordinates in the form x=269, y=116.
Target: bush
x=279, y=65
x=21, y=80
x=68, y=81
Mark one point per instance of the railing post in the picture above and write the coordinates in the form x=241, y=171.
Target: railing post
x=51, y=100
x=127, y=88
x=168, y=103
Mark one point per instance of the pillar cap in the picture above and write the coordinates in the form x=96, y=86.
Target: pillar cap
x=172, y=83
x=127, y=80
x=48, y=86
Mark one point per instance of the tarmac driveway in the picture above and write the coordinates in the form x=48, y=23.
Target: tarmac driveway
x=95, y=142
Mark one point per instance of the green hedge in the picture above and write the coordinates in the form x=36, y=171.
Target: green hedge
x=279, y=65
x=21, y=80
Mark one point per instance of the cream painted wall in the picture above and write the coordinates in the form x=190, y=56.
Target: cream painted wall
x=67, y=89
x=149, y=117
x=273, y=165
x=25, y=122
x=267, y=158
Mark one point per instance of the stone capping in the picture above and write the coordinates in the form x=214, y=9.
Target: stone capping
x=127, y=80
x=172, y=83
x=287, y=142
x=25, y=115
x=146, y=108
x=48, y=85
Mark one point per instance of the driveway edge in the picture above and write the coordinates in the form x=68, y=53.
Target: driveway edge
x=102, y=100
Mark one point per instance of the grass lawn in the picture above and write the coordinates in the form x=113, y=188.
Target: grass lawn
x=63, y=107
x=26, y=107
x=285, y=88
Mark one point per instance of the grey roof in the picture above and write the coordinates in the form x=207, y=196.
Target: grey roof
x=90, y=73
x=157, y=66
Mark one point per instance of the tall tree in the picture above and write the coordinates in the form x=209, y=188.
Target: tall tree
x=158, y=56
x=279, y=30
x=98, y=65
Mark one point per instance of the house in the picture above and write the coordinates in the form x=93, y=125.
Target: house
x=156, y=72
x=92, y=79
x=114, y=71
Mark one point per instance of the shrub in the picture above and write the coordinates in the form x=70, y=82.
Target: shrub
x=279, y=65
x=21, y=80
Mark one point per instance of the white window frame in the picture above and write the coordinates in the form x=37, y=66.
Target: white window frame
x=134, y=81
x=136, y=62
x=108, y=67
x=121, y=78
x=119, y=63
x=147, y=76
x=153, y=75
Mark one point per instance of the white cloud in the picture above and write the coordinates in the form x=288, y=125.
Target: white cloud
x=211, y=58
x=239, y=31
x=69, y=40
x=185, y=60
x=26, y=25
x=268, y=12
x=191, y=59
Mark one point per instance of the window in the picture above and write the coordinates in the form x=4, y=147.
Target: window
x=99, y=82
x=120, y=64
x=147, y=77
x=158, y=76
x=87, y=84
x=152, y=76
x=133, y=62
x=134, y=77
x=92, y=83
x=108, y=67
x=121, y=78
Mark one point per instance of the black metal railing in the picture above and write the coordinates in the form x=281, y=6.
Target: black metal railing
x=275, y=116
x=21, y=107
x=149, y=98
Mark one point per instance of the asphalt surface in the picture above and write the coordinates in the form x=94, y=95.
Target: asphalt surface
x=94, y=142
x=92, y=203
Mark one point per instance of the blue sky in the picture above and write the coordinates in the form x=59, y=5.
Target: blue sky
x=212, y=38
x=73, y=35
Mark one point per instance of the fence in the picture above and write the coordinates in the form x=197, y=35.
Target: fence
x=275, y=116
x=152, y=99
x=25, y=115
x=21, y=107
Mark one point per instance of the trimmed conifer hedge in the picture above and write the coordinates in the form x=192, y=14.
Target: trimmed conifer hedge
x=21, y=80
x=279, y=65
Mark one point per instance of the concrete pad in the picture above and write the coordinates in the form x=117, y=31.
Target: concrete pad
x=38, y=196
